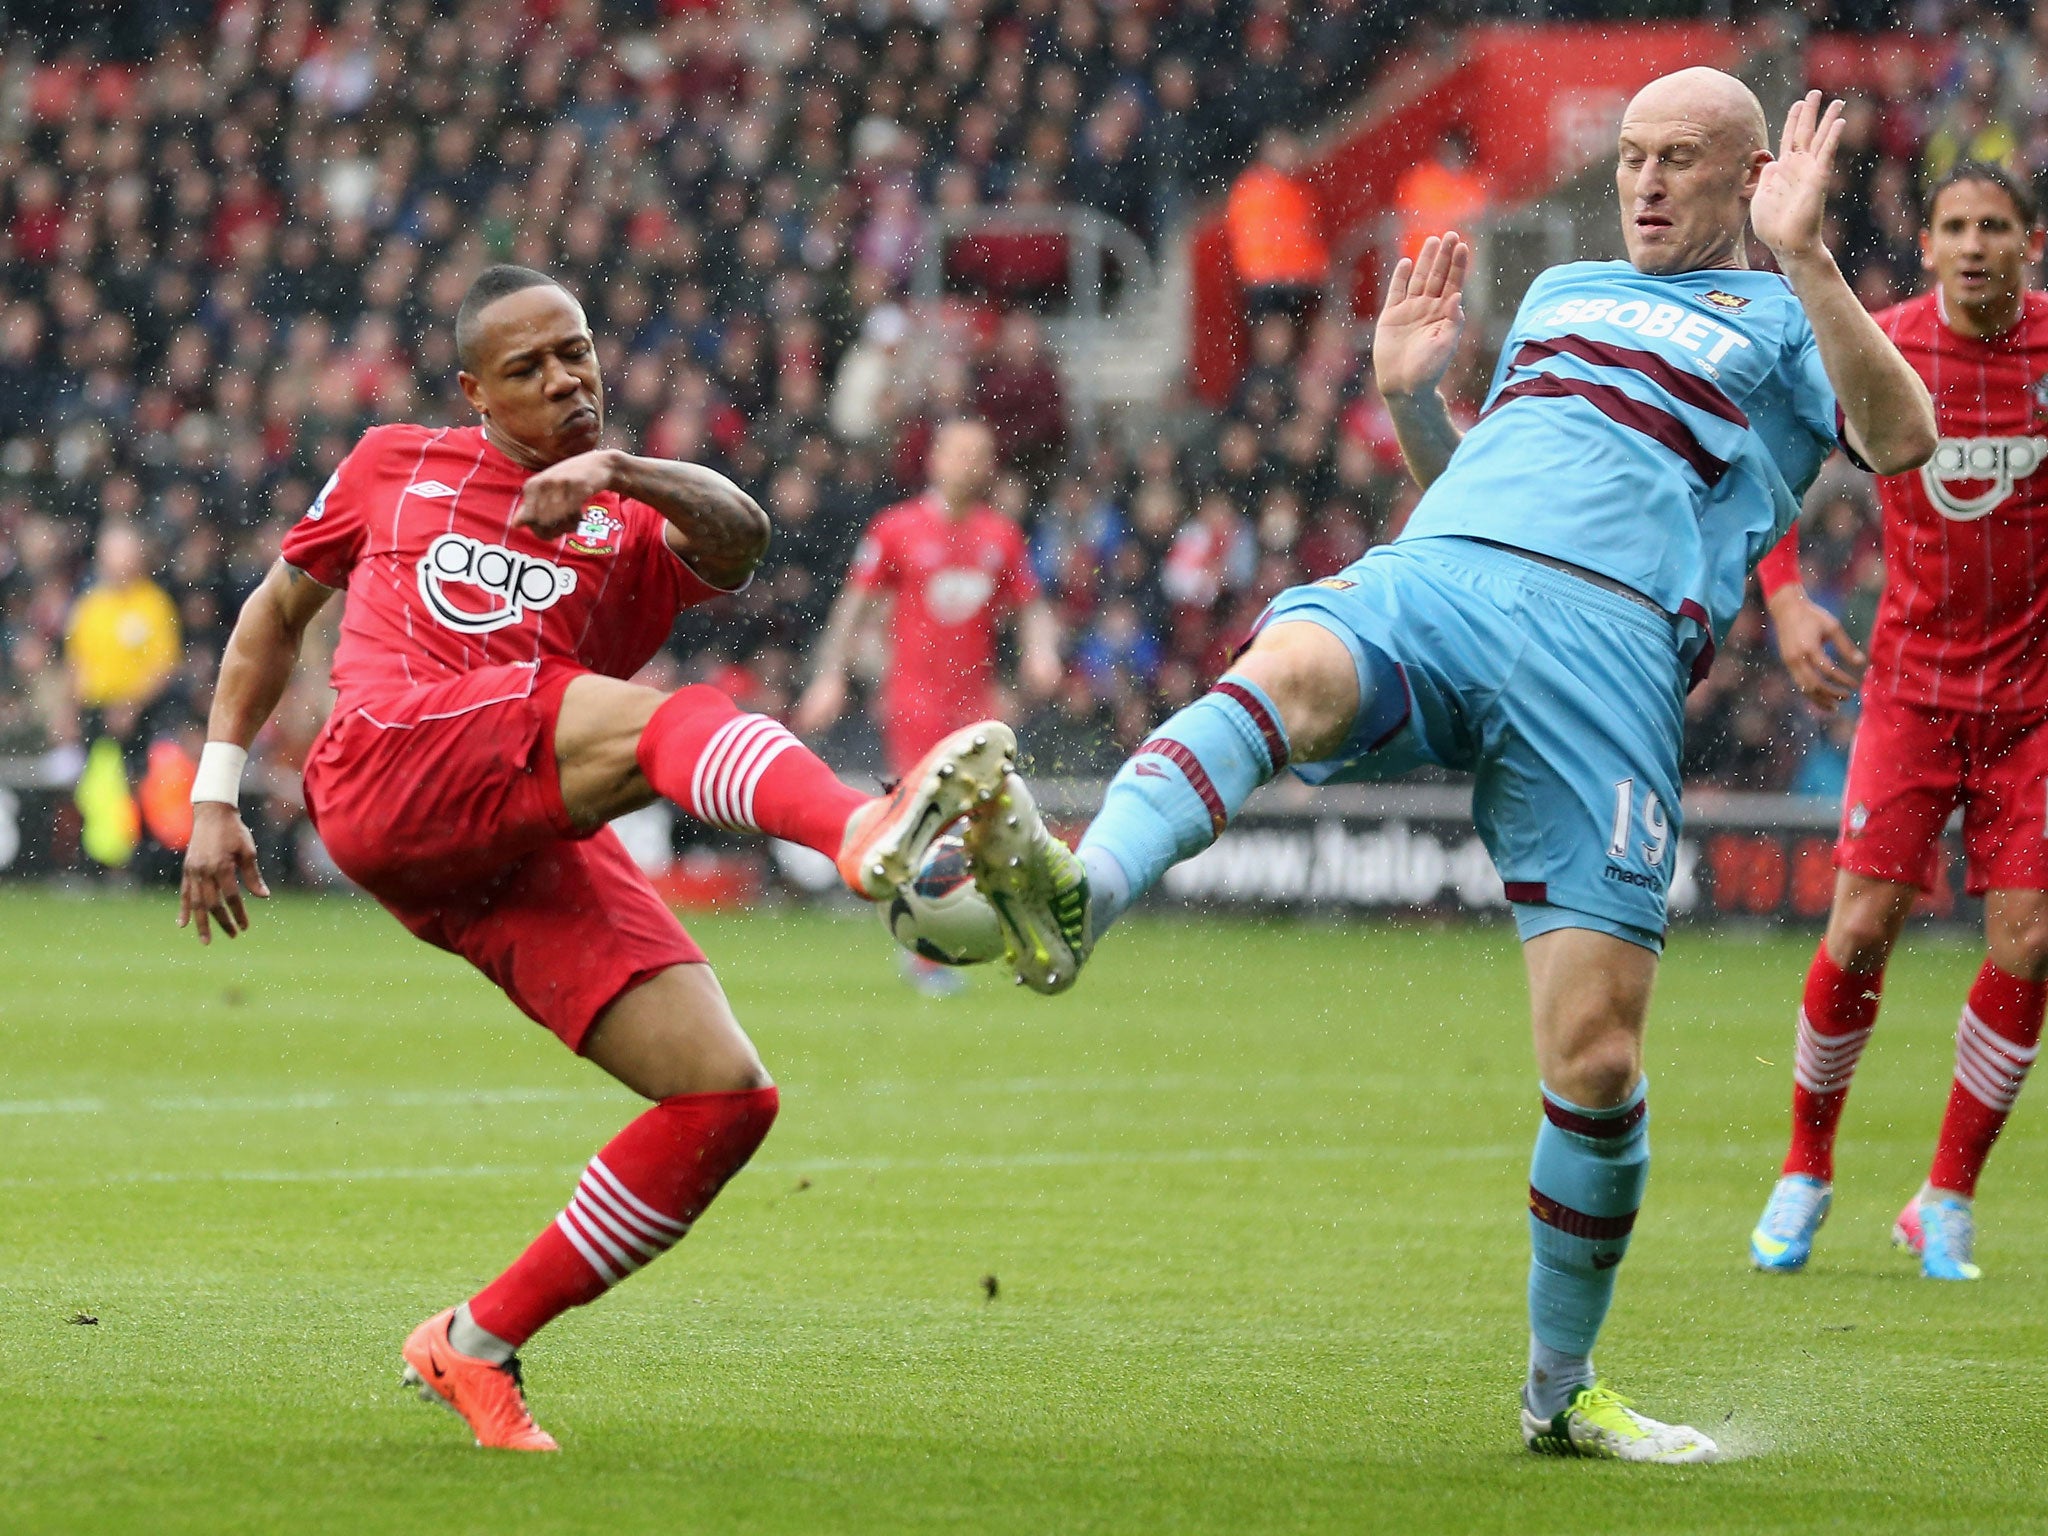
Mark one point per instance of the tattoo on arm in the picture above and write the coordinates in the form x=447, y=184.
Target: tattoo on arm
x=716, y=527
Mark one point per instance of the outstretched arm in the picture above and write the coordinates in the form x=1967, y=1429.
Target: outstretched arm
x=823, y=701
x=716, y=527
x=1413, y=343
x=1038, y=660
x=1888, y=412
x=1812, y=643
x=220, y=861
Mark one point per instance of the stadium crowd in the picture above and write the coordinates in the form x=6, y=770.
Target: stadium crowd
x=219, y=263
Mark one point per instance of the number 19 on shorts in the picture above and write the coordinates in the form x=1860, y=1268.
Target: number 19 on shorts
x=1655, y=825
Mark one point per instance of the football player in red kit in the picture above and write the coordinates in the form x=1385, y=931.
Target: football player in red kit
x=1954, y=713
x=504, y=581
x=950, y=568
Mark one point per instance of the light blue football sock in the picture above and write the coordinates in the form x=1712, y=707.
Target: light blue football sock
x=1178, y=791
x=1585, y=1186
x=1554, y=1376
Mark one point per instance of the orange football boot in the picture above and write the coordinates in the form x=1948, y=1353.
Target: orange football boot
x=488, y=1397
x=886, y=839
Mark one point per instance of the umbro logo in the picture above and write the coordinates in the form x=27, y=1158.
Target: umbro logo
x=1606, y=1260
x=432, y=488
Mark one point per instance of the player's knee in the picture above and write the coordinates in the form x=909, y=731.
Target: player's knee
x=1609, y=1075
x=2019, y=947
x=1310, y=676
x=734, y=1070
x=1600, y=1071
x=1860, y=937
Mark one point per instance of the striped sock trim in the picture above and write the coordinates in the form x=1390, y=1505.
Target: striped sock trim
x=1990, y=1067
x=1197, y=776
x=1599, y=1127
x=1597, y=1229
x=1262, y=718
x=1825, y=1063
x=614, y=1230
x=730, y=769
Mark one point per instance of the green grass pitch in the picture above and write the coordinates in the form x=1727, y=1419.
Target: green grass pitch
x=1252, y=1197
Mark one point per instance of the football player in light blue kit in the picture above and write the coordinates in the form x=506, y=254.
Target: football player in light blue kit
x=1650, y=428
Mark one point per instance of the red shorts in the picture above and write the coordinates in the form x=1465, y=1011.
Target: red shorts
x=1912, y=766
x=444, y=803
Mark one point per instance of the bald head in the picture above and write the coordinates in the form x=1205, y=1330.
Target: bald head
x=1718, y=102
x=1692, y=145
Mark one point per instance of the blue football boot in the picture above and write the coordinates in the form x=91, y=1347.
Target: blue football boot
x=1783, y=1239
x=1948, y=1238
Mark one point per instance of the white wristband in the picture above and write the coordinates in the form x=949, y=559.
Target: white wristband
x=219, y=778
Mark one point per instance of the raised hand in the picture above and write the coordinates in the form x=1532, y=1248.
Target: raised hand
x=1417, y=333
x=1791, y=192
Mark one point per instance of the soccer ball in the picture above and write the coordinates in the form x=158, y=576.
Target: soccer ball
x=940, y=915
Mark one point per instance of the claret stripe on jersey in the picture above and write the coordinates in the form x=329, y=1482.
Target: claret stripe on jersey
x=1686, y=388
x=1618, y=405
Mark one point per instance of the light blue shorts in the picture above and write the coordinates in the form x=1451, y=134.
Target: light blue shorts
x=1565, y=701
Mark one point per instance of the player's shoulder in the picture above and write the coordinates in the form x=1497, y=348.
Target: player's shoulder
x=1911, y=321
x=390, y=436
x=2034, y=320
x=998, y=527
x=1566, y=272
x=912, y=512
x=393, y=448
x=1569, y=276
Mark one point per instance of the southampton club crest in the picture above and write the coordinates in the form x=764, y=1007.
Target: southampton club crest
x=2038, y=392
x=597, y=534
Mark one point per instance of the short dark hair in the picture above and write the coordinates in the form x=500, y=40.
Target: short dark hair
x=2022, y=195
x=491, y=285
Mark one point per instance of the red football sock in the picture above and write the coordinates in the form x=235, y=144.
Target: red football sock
x=743, y=772
x=1835, y=1020
x=636, y=1200
x=1998, y=1039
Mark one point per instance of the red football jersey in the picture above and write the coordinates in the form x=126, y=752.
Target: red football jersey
x=417, y=526
x=1964, y=614
x=952, y=580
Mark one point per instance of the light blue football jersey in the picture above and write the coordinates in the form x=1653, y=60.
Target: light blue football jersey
x=1657, y=429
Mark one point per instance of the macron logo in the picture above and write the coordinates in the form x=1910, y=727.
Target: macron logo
x=430, y=488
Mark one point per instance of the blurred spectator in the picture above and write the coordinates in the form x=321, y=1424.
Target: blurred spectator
x=1275, y=230
x=121, y=644
x=1017, y=390
x=1440, y=193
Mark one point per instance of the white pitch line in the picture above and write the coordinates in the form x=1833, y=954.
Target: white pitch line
x=293, y=1103
x=296, y=1103
x=950, y=1162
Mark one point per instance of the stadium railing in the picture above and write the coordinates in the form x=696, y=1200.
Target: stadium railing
x=1082, y=273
